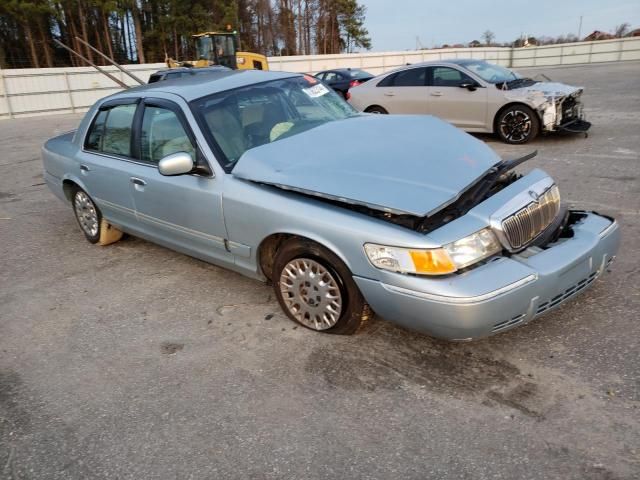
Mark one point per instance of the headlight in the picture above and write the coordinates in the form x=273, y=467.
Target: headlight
x=473, y=248
x=436, y=261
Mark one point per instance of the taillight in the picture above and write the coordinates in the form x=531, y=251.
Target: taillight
x=354, y=83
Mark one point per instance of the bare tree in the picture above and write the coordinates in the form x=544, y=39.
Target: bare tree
x=488, y=36
x=621, y=30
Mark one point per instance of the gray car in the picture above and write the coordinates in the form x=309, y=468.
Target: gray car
x=476, y=96
x=274, y=176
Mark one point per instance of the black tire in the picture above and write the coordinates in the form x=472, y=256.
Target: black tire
x=377, y=109
x=517, y=124
x=354, y=311
x=83, y=208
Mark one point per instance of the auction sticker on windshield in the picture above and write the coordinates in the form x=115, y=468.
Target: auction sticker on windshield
x=316, y=91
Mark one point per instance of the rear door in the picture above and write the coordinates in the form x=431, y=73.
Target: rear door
x=458, y=105
x=105, y=160
x=182, y=211
x=405, y=91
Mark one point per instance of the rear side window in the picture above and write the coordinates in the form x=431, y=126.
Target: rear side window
x=387, y=81
x=332, y=77
x=117, y=130
x=413, y=77
x=111, y=130
x=94, y=139
x=163, y=134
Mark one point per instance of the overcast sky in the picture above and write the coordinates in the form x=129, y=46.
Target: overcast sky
x=394, y=24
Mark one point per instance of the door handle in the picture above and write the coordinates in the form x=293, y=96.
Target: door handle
x=436, y=94
x=138, y=181
x=389, y=94
x=84, y=168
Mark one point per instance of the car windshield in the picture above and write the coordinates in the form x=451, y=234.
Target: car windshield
x=491, y=73
x=238, y=120
x=204, y=46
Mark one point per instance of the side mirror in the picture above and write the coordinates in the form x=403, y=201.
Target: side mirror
x=469, y=86
x=176, y=164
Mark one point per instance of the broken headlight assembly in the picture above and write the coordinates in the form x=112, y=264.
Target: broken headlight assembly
x=435, y=261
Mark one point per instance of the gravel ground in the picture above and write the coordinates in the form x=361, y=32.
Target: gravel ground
x=132, y=361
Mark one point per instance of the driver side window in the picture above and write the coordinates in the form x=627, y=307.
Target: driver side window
x=162, y=134
x=449, y=77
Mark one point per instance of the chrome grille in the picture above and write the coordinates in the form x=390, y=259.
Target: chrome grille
x=529, y=222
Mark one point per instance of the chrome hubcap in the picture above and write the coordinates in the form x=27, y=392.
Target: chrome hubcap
x=86, y=214
x=311, y=293
x=516, y=126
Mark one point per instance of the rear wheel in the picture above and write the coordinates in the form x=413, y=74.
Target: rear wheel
x=376, y=109
x=517, y=124
x=87, y=215
x=316, y=289
x=95, y=228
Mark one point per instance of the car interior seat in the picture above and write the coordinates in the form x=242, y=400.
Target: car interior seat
x=224, y=122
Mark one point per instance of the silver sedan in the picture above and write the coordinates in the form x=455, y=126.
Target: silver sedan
x=274, y=176
x=476, y=96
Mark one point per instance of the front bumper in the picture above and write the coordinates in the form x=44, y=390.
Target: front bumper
x=575, y=126
x=500, y=294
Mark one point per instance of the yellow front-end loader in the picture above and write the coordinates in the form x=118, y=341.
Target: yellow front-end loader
x=221, y=48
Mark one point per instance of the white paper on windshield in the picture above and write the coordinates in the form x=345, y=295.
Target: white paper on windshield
x=316, y=91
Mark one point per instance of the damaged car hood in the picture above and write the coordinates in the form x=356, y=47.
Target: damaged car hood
x=541, y=91
x=400, y=164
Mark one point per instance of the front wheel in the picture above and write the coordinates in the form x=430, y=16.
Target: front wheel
x=377, y=110
x=316, y=289
x=517, y=124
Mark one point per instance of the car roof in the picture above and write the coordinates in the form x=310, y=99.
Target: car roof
x=341, y=70
x=461, y=62
x=197, y=86
x=450, y=61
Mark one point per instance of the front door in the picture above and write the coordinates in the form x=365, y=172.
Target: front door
x=457, y=105
x=182, y=211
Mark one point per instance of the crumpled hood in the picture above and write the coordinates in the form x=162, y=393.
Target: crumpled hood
x=538, y=92
x=395, y=163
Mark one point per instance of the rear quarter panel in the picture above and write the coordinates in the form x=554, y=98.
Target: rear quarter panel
x=59, y=160
x=364, y=96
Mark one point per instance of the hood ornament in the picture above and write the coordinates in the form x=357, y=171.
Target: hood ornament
x=535, y=196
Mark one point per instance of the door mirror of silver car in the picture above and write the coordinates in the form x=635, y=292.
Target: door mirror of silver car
x=176, y=164
x=469, y=86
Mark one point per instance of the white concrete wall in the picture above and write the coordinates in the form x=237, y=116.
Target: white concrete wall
x=40, y=91
x=377, y=63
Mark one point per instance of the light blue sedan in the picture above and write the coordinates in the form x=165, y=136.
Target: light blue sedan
x=274, y=176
